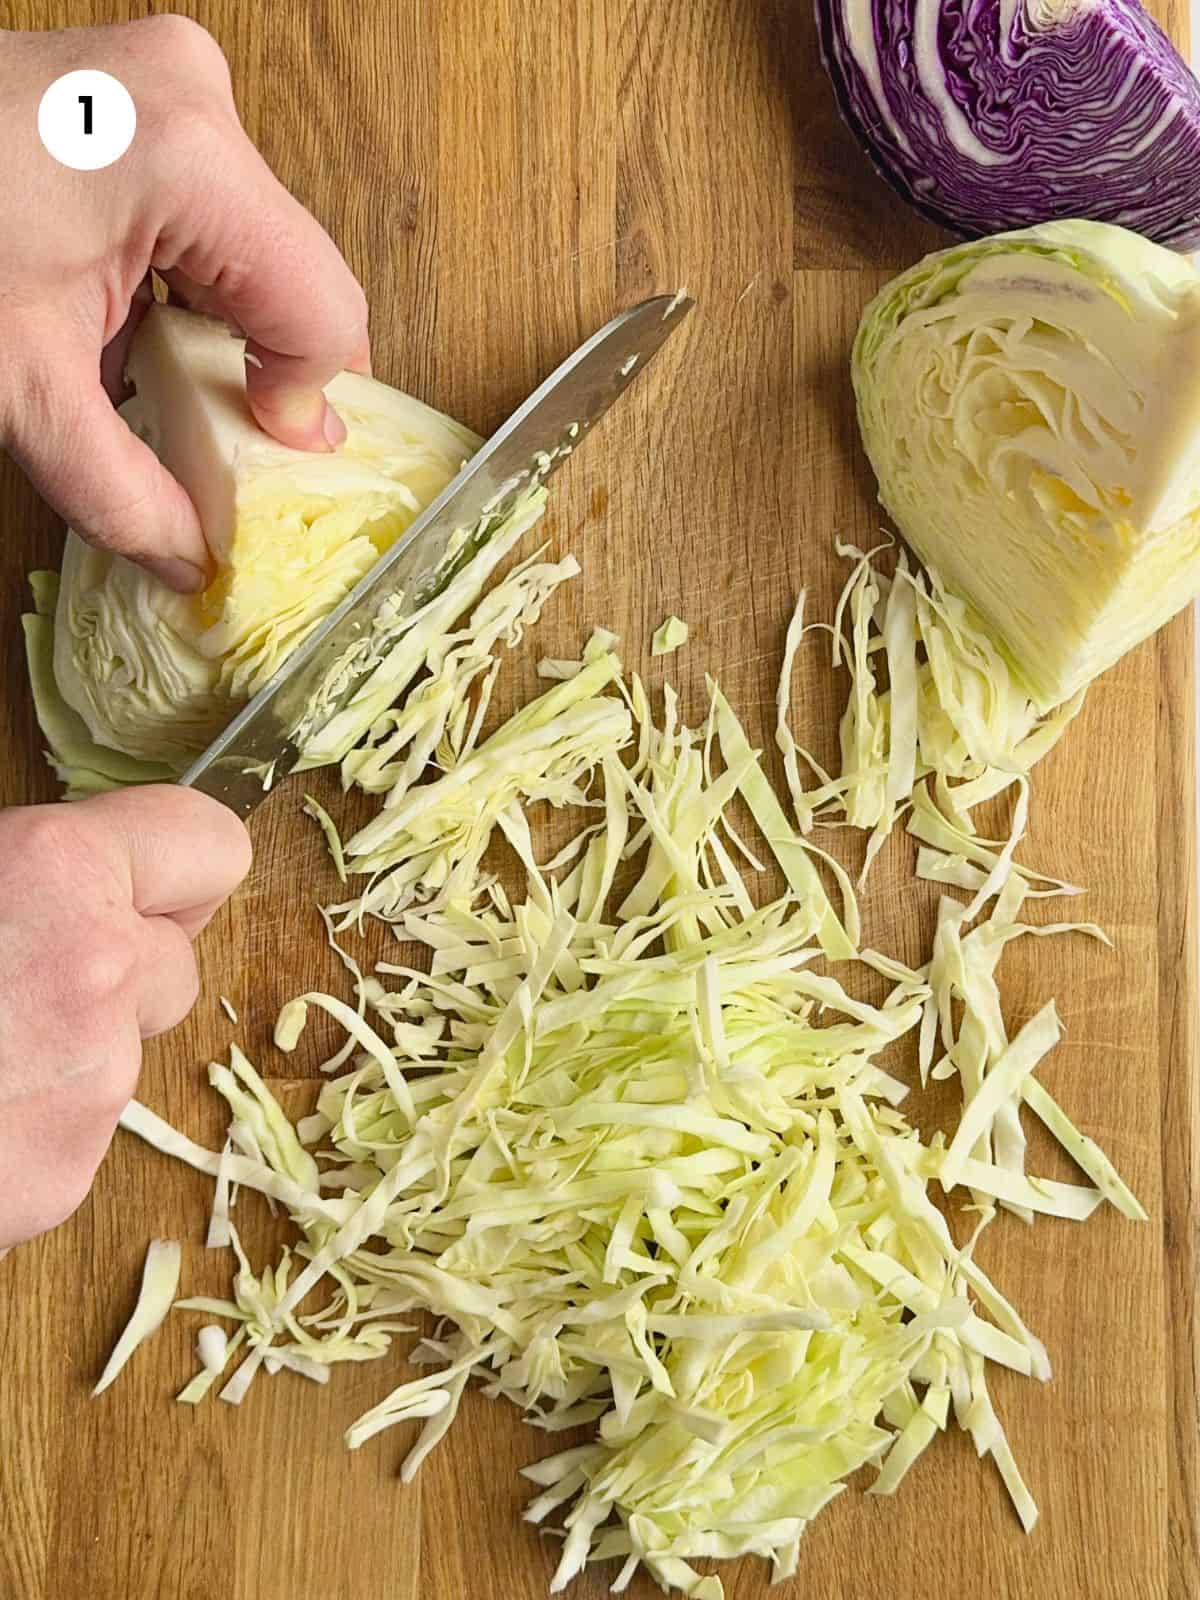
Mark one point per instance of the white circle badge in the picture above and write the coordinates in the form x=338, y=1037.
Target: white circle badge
x=86, y=120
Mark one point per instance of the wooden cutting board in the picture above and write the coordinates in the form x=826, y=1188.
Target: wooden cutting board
x=503, y=175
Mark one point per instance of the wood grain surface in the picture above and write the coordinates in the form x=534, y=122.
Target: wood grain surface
x=503, y=174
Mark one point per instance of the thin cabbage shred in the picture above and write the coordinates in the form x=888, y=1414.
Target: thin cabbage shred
x=160, y=1280
x=427, y=842
x=638, y=1154
x=402, y=646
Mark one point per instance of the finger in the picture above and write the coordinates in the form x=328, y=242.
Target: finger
x=193, y=296
x=116, y=351
x=183, y=852
x=256, y=257
x=168, y=979
x=100, y=478
x=185, y=291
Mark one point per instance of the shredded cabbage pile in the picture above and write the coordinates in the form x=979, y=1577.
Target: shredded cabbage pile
x=637, y=1141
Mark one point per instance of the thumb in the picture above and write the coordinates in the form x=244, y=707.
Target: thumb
x=102, y=480
x=181, y=853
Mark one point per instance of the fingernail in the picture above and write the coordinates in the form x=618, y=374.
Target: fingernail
x=333, y=428
x=178, y=574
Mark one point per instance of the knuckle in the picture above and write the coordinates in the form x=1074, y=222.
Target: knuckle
x=46, y=411
x=33, y=827
x=115, y=497
x=112, y=1090
x=190, y=137
x=177, y=985
x=359, y=313
x=42, y=840
x=185, y=39
x=348, y=329
x=187, y=988
x=122, y=524
x=102, y=963
x=54, y=424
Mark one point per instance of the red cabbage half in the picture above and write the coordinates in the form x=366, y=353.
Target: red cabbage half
x=994, y=114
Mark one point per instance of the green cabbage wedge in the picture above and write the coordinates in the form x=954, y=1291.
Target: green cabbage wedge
x=132, y=667
x=1031, y=406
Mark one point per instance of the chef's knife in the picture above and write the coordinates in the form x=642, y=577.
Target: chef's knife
x=534, y=441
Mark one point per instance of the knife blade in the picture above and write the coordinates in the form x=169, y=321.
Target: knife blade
x=530, y=446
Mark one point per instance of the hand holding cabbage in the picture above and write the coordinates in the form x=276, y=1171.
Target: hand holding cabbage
x=193, y=199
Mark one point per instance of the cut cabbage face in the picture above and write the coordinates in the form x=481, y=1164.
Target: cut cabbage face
x=155, y=674
x=1031, y=406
